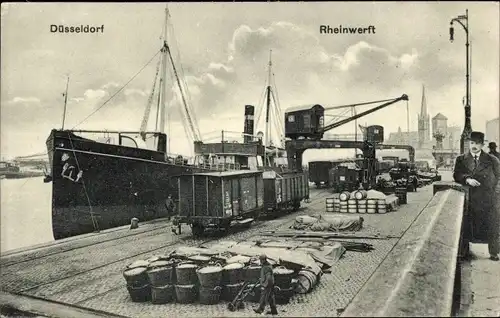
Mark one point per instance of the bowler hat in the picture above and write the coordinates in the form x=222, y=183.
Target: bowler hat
x=477, y=136
x=262, y=256
x=492, y=145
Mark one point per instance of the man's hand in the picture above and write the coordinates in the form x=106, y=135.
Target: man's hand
x=472, y=182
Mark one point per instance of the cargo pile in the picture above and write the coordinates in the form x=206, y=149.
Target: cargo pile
x=362, y=201
x=337, y=223
x=208, y=276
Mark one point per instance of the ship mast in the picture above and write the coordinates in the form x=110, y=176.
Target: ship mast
x=65, y=103
x=164, y=52
x=267, y=137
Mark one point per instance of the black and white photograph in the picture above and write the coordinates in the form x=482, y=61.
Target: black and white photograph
x=247, y=159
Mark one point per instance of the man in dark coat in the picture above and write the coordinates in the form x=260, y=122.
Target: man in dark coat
x=481, y=172
x=267, y=284
x=493, y=149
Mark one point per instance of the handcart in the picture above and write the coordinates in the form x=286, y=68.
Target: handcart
x=247, y=288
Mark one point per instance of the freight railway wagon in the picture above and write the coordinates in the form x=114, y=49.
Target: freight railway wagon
x=343, y=178
x=218, y=200
x=283, y=191
x=319, y=170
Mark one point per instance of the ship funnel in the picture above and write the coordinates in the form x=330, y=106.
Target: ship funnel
x=248, y=128
x=162, y=143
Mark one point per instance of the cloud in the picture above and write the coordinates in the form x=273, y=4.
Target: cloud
x=17, y=100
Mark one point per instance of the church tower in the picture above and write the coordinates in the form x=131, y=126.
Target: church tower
x=423, y=122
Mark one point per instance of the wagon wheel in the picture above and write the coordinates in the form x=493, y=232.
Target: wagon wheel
x=241, y=305
x=231, y=307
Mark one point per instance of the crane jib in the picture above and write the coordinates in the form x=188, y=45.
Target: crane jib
x=347, y=120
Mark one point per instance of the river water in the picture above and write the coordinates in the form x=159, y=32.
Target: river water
x=25, y=213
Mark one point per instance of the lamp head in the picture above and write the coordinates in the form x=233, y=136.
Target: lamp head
x=452, y=31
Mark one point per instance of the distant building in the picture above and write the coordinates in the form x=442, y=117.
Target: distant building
x=424, y=132
x=440, y=124
x=404, y=138
x=420, y=139
x=493, y=131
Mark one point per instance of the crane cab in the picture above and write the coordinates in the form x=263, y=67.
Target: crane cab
x=305, y=121
x=375, y=134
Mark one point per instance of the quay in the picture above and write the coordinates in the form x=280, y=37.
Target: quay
x=411, y=272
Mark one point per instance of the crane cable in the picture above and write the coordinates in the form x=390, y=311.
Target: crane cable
x=359, y=104
x=118, y=91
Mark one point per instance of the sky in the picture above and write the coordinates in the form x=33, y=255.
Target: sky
x=222, y=51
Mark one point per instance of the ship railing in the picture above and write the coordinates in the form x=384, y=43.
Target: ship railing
x=220, y=166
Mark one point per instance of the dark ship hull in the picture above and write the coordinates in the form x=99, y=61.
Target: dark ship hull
x=96, y=186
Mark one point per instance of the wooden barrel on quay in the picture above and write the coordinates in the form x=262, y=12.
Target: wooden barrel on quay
x=402, y=194
x=330, y=204
x=162, y=294
x=360, y=194
x=344, y=196
x=371, y=206
x=136, y=277
x=306, y=281
x=160, y=273
x=343, y=206
x=381, y=206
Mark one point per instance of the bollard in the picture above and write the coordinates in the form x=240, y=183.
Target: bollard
x=134, y=223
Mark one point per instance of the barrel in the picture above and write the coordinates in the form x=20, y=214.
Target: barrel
x=343, y=206
x=336, y=204
x=210, y=276
x=330, y=203
x=381, y=206
x=401, y=193
x=162, y=294
x=371, y=206
x=233, y=274
x=186, y=294
x=252, y=273
x=360, y=194
x=306, y=282
x=140, y=294
x=160, y=273
x=210, y=296
x=136, y=277
x=231, y=290
x=344, y=196
x=186, y=274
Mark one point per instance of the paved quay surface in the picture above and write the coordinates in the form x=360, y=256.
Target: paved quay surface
x=87, y=271
x=480, y=285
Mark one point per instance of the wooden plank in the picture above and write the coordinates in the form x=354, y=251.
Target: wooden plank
x=325, y=235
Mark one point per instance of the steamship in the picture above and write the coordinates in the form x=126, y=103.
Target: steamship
x=103, y=183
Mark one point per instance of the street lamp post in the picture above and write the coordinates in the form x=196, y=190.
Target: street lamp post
x=467, y=126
